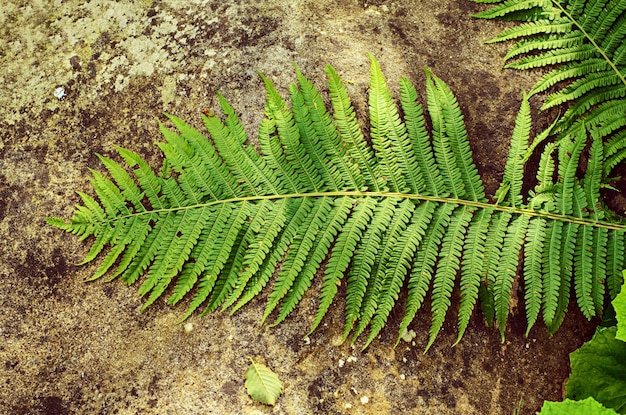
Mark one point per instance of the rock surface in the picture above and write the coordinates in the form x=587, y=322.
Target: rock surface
x=67, y=347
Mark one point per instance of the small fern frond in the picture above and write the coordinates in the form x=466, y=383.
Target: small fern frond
x=422, y=148
x=399, y=265
x=218, y=221
x=424, y=264
x=583, y=44
x=361, y=283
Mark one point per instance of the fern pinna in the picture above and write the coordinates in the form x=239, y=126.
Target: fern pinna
x=584, y=44
x=409, y=210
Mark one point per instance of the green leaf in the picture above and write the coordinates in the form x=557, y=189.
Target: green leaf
x=587, y=406
x=599, y=370
x=402, y=207
x=262, y=384
x=582, y=45
x=619, y=304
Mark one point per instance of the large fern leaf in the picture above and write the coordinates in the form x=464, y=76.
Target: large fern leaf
x=583, y=43
x=319, y=201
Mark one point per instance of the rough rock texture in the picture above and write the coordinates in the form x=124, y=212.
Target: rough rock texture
x=68, y=347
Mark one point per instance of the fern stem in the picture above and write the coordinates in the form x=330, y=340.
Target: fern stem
x=418, y=197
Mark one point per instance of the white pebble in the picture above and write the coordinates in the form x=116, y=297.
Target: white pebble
x=59, y=93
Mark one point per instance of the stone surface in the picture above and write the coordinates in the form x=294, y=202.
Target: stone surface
x=68, y=347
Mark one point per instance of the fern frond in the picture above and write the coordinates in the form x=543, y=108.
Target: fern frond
x=214, y=253
x=280, y=137
x=457, y=136
x=297, y=210
x=615, y=263
x=350, y=132
x=584, y=45
x=220, y=218
x=566, y=263
x=311, y=144
x=335, y=220
x=399, y=265
x=444, y=155
x=511, y=6
x=492, y=254
x=384, y=120
x=327, y=133
x=422, y=148
x=424, y=263
x=298, y=253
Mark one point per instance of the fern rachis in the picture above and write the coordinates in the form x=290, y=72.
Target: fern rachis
x=407, y=210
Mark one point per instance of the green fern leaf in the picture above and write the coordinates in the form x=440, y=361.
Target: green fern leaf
x=615, y=263
x=507, y=269
x=448, y=266
x=424, y=266
x=383, y=116
x=298, y=252
x=342, y=253
x=473, y=256
x=220, y=218
x=374, y=298
x=490, y=265
x=457, y=136
x=510, y=6
x=360, y=284
x=297, y=211
x=511, y=186
x=274, y=222
x=329, y=229
x=583, y=42
x=399, y=265
x=327, y=133
x=533, y=286
x=422, y=148
x=350, y=132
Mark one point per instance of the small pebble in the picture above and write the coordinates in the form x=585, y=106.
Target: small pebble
x=59, y=93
